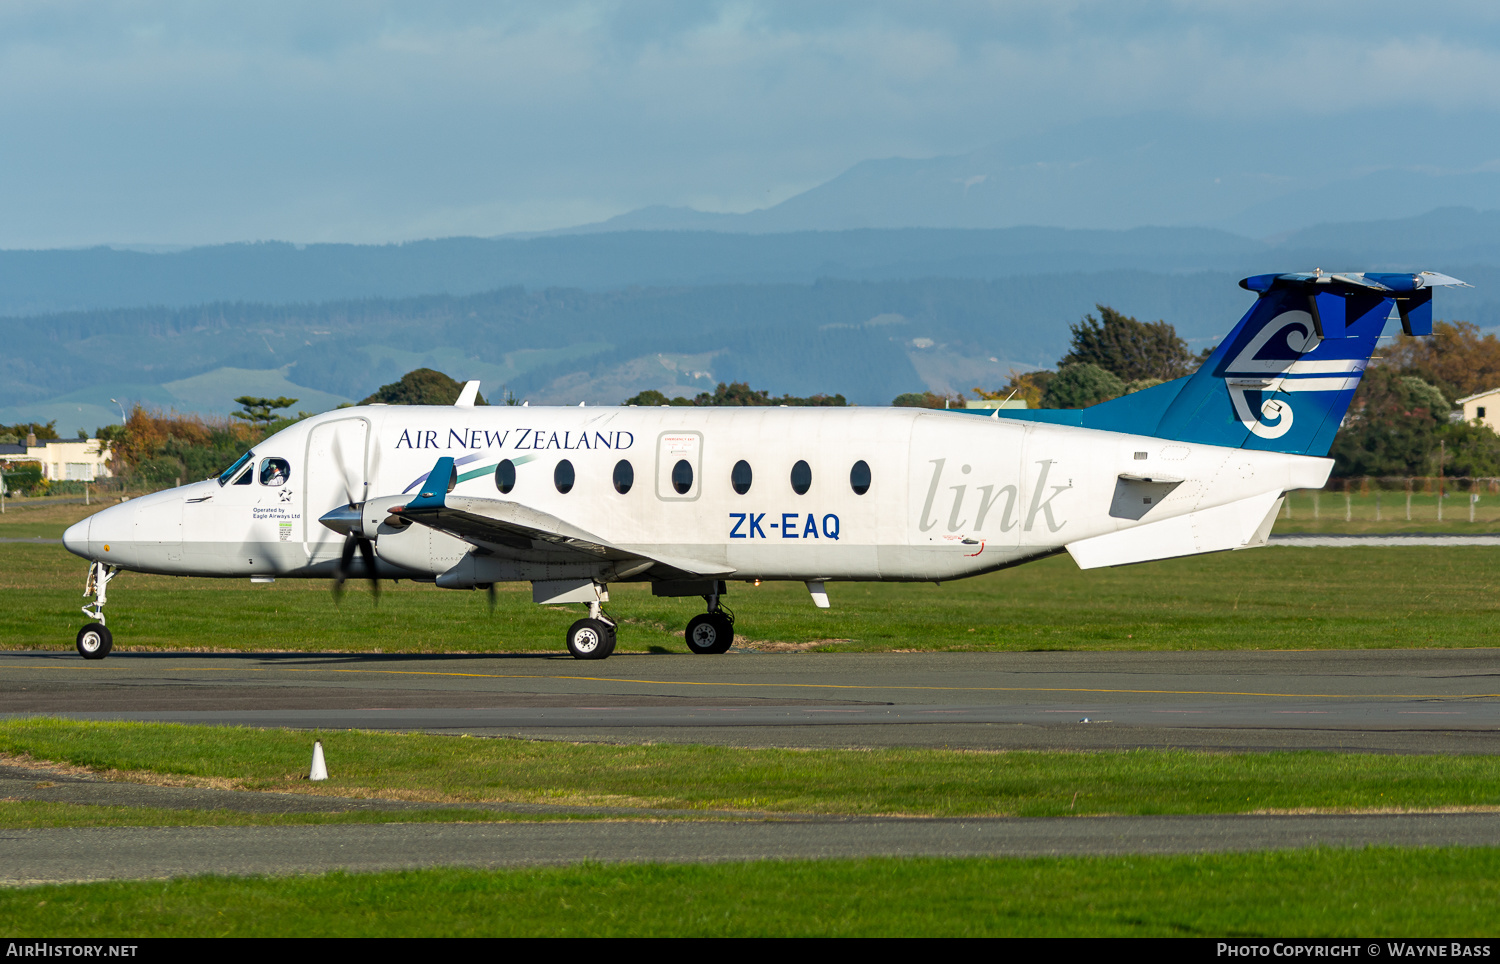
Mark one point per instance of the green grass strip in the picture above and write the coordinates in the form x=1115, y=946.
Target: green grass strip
x=1367, y=598
x=883, y=781
x=1325, y=892
x=33, y=814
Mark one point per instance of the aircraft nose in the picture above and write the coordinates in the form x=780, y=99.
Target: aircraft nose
x=76, y=538
x=106, y=536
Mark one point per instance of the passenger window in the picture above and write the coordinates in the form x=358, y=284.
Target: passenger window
x=563, y=476
x=801, y=477
x=274, y=472
x=859, y=477
x=505, y=476
x=682, y=476
x=624, y=476
x=739, y=477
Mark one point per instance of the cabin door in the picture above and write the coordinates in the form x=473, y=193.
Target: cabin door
x=337, y=456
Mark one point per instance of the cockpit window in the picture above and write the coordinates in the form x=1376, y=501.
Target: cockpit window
x=274, y=471
x=238, y=464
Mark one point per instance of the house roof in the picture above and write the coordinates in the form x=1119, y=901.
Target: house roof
x=1484, y=394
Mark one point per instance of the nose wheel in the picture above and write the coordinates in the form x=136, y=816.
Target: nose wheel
x=94, y=640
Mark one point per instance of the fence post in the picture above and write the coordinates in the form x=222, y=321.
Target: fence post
x=1348, y=503
x=1408, y=500
x=1377, y=504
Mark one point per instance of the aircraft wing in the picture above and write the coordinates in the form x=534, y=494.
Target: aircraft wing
x=501, y=525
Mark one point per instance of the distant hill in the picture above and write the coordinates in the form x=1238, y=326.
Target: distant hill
x=869, y=340
x=36, y=282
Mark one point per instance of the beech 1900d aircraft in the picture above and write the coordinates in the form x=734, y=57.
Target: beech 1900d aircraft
x=689, y=499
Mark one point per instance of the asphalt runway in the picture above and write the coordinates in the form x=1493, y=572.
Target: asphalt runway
x=103, y=853
x=1408, y=701
x=1400, y=701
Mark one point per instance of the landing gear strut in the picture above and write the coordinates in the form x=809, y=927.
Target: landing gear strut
x=94, y=640
x=593, y=637
x=713, y=631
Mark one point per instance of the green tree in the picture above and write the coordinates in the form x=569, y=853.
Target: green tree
x=1456, y=358
x=927, y=400
x=421, y=387
x=17, y=433
x=1080, y=385
x=734, y=394
x=1393, y=427
x=651, y=397
x=257, y=411
x=1132, y=350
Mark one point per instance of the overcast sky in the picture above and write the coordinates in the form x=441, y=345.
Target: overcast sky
x=190, y=123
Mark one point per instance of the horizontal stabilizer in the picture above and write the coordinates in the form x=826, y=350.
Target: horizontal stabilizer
x=1238, y=525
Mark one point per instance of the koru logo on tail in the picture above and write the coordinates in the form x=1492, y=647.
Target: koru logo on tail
x=1271, y=363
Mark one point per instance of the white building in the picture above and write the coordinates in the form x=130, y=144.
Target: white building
x=71, y=459
x=1484, y=406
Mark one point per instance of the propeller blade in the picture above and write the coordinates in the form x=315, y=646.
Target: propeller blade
x=492, y=599
x=341, y=573
x=367, y=555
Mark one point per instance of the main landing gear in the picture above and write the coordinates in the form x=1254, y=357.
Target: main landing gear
x=713, y=631
x=593, y=637
x=94, y=640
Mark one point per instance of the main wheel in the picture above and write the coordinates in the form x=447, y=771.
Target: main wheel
x=591, y=639
x=709, y=633
x=94, y=641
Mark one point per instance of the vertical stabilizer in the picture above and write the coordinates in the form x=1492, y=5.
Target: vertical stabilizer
x=1283, y=378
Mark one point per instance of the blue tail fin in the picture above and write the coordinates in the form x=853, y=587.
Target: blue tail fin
x=1283, y=378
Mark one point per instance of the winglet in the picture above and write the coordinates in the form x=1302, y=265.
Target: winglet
x=434, y=491
x=468, y=395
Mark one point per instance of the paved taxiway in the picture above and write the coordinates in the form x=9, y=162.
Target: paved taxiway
x=59, y=854
x=1422, y=701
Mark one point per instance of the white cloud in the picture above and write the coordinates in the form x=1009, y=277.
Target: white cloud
x=186, y=122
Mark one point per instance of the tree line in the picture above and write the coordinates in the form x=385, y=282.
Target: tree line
x=1401, y=421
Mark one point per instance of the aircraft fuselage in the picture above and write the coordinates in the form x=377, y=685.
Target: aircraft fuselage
x=945, y=495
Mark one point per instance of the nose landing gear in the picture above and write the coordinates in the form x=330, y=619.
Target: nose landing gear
x=94, y=640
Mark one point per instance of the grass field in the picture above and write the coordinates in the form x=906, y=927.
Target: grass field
x=1386, y=892
x=922, y=782
x=1393, y=510
x=1272, y=598
x=1275, y=598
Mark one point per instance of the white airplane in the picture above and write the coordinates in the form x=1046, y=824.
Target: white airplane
x=689, y=499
